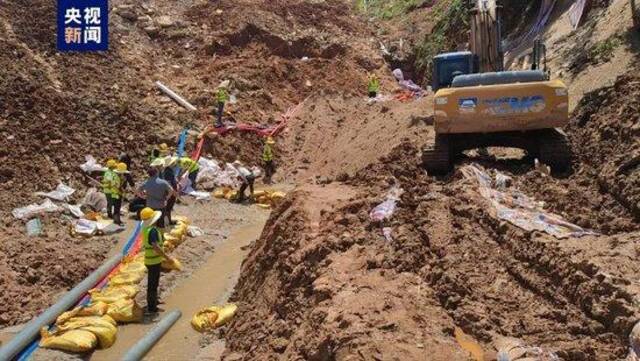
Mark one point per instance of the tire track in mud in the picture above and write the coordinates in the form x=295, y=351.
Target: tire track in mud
x=495, y=279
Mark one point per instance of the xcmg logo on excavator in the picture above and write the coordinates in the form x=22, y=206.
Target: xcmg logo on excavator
x=515, y=105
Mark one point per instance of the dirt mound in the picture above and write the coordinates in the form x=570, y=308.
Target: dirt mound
x=605, y=133
x=334, y=137
x=35, y=271
x=312, y=284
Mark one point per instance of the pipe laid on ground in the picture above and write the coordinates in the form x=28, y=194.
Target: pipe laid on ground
x=32, y=329
x=137, y=351
x=178, y=99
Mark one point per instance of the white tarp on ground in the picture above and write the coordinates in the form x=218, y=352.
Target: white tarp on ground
x=89, y=228
x=34, y=209
x=61, y=193
x=518, y=209
x=91, y=165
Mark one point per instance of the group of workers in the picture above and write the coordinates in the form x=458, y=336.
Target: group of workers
x=157, y=195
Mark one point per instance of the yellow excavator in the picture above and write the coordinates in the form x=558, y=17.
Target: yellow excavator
x=477, y=104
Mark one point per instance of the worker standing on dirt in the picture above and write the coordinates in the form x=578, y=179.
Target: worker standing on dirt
x=124, y=158
x=169, y=175
x=107, y=185
x=152, y=241
x=117, y=191
x=188, y=165
x=222, y=97
x=374, y=85
x=246, y=177
x=156, y=191
x=267, y=158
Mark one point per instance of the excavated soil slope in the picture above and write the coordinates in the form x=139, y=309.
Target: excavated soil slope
x=56, y=108
x=323, y=283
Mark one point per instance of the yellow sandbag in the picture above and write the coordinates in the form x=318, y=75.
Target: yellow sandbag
x=134, y=265
x=181, y=219
x=125, y=310
x=95, y=309
x=213, y=317
x=126, y=278
x=179, y=231
x=176, y=241
x=231, y=195
x=218, y=193
x=113, y=294
x=103, y=327
x=278, y=195
x=263, y=206
x=259, y=193
x=171, y=265
x=78, y=341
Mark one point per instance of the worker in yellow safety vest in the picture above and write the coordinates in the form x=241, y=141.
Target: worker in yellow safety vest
x=152, y=241
x=373, y=86
x=267, y=159
x=117, y=189
x=106, y=183
x=222, y=97
x=188, y=165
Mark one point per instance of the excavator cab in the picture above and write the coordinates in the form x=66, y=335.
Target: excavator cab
x=447, y=66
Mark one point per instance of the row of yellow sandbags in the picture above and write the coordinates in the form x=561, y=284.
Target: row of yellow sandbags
x=264, y=198
x=86, y=327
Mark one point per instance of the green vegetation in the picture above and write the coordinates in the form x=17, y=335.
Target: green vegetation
x=388, y=9
x=602, y=51
x=450, y=30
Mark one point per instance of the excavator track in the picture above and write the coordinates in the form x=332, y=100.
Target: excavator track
x=554, y=150
x=436, y=157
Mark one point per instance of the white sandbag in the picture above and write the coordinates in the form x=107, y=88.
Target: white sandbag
x=95, y=200
x=91, y=165
x=61, y=193
x=86, y=227
x=74, y=209
x=194, y=231
x=34, y=209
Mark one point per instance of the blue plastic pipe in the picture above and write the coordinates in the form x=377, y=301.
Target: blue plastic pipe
x=32, y=329
x=137, y=351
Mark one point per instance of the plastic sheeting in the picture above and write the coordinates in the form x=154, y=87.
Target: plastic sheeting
x=407, y=84
x=91, y=165
x=576, y=13
x=386, y=209
x=35, y=209
x=518, y=209
x=61, y=193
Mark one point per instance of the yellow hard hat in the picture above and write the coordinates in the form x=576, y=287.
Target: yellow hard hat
x=146, y=213
x=121, y=168
x=270, y=141
x=164, y=146
x=111, y=163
